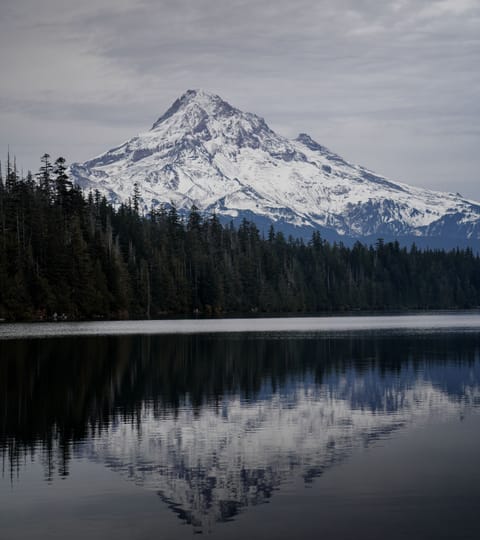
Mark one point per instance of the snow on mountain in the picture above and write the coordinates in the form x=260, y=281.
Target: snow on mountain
x=205, y=152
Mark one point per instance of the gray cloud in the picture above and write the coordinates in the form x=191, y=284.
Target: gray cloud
x=393, y=85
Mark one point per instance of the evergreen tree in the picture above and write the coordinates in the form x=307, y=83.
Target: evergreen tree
x=44, y=175
x=61, y=181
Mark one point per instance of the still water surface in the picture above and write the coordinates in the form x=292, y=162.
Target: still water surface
x=332, y=429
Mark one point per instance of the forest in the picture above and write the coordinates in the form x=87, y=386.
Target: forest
x=67, y=254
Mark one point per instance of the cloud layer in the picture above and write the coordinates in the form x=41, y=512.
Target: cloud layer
x=393, y=85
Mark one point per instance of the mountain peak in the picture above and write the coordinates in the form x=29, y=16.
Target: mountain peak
x=305, y=139
x=210, y=104
x=199, y=95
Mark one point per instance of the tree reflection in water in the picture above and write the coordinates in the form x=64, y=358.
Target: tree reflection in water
x=214, y=423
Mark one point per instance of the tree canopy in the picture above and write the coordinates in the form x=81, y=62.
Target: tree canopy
x=73, y=254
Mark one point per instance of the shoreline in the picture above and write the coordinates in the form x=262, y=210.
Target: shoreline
x=334, y=324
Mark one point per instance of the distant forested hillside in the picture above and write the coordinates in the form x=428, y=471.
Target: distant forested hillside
x=66, y=253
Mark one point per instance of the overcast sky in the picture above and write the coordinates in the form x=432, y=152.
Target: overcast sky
x=391, y=85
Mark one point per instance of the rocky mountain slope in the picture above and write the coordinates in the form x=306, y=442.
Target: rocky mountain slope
x=205, y=152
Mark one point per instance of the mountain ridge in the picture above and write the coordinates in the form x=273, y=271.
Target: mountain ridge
x=203, y=151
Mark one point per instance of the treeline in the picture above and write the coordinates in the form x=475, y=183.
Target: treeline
x=67, y=254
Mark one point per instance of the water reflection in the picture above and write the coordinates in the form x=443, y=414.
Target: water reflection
x=217, y=423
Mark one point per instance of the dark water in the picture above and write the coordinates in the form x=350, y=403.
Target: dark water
x=255, y=435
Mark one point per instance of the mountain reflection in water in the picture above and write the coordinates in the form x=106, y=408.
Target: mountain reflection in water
x=214, y=423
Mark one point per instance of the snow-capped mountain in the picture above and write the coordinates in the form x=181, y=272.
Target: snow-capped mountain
x=205, y=152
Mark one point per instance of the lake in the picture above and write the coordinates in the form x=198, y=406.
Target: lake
x=333, y=427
